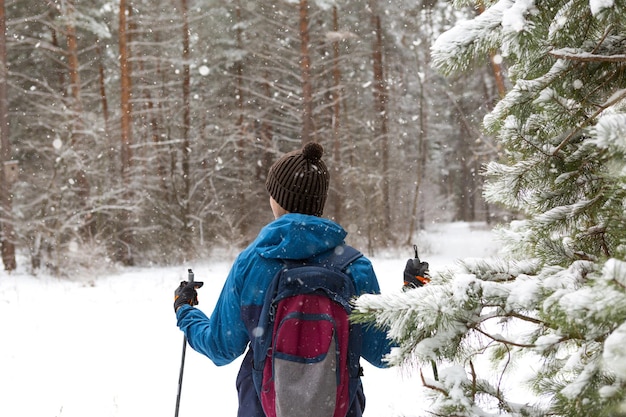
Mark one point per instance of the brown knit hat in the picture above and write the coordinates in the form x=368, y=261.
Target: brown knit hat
x=298, y=181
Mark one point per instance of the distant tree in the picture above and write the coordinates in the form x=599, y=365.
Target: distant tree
x=308, y=129
x=336, y=95
x=124, y=252
x=381, y=115
x=186, y=150
x=6, y=201
x=557, y=296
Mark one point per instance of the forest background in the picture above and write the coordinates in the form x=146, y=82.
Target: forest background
x=140, y=131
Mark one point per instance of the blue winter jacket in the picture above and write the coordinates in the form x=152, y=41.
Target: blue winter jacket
x=226, y=335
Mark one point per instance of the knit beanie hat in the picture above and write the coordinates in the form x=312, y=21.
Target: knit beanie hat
x=298, y=181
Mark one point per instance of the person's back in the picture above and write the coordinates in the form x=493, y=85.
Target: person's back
x=298, y=186
x=306, y=350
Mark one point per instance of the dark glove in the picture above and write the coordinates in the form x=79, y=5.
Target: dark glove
x=186, y=293
x=416, y=273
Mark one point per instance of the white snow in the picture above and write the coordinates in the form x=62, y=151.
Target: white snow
x=614, y=354
x=597, y=6
x=610, y=131
x=109, y=346
x=513, y=19
x=204, y=70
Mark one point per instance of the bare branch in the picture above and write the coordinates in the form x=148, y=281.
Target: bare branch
x=433, y=387
x=504, y=341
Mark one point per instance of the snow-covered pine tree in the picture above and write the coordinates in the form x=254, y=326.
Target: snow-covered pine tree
x=558, y=292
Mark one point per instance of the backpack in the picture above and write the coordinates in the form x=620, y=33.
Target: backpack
x=306, y=351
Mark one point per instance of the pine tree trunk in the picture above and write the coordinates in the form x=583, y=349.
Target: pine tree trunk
x=337, y=95
x=125, y=78
x=6, y=200
x=498, y=75
x=102, y=88
x=239, y=72
x=266, y=133
x=496, y=67
x=305, y=70
x=72, y=53
x=241, y=129
x=124, y=253
x=186, y=147
x=76, y=107
x=380, y=103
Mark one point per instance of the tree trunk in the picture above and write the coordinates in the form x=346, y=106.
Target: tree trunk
x=83, y=188
x=124, y=253
x=496, y=67
x=337, y=95
x=125, y=94
x=242, y=191
x=6, y=200
x=103, y=93
x=498, y=75
x=305, y=71
x=239, y=72
x=186, y=148
x=420, y=160
x=72, y=53
x=380, y=103
x=266, y=133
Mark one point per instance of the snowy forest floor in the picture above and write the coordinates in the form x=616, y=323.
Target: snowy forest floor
x=109, y=346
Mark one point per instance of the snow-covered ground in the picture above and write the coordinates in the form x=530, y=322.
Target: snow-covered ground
x=110, y=346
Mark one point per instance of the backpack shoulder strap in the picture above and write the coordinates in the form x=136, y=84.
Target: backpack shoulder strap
x=303, y=276
x=338, y=258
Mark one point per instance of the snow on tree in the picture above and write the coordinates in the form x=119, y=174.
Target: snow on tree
x=558, y=291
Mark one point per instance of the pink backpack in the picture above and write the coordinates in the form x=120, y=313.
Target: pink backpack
x=306, y=354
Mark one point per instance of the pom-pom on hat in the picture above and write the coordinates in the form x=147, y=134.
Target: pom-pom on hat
x=298, y=181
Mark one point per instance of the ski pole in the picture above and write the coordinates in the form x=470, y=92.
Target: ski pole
x=182, y=360
x=424, y=280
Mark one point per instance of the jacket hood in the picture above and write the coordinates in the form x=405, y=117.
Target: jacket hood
x=298, y=236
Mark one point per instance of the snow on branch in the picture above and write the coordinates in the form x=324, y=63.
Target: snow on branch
x=564, y=212
x=455, y=49
x=524, y=91
x=573, y=54
x=610, y=131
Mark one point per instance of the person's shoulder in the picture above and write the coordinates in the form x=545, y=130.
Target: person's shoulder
x=362, y=272
x=363, y=260
x=361, y=264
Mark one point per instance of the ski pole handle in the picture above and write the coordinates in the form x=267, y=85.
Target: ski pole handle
x=190, y=278
x=416, y=272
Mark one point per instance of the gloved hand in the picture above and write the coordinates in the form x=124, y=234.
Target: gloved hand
x=416, y=272
x=186, y=293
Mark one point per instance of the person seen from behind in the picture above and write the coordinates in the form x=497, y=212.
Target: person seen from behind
x=297, y=184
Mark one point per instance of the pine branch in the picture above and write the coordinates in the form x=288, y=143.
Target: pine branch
x=614, y=99
x=572, y=54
